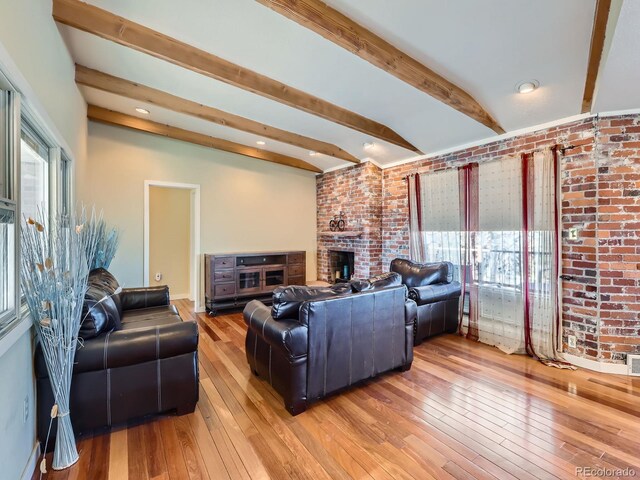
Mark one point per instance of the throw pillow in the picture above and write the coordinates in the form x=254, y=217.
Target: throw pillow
x=99, y=313
x=102, y=278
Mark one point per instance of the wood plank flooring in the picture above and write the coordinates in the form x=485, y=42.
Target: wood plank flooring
x=464, y=410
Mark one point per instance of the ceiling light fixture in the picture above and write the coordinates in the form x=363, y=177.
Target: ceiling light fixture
x=143, y=111
x=312, y=153
x=261, y=142
x=368, y=145
x=528, y=86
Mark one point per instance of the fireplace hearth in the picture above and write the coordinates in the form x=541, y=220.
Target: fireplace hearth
x=341, y=265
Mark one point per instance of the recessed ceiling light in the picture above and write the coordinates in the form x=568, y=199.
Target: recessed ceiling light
x=312, y=153
x=368, y=145
x=261, y=142
x=528, y=86
x=143, y=111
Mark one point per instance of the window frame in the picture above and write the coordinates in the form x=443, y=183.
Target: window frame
x=10, y=127
x=17, y=113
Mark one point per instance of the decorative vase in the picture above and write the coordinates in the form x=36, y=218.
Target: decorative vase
x=56, y=254
x=65, y=453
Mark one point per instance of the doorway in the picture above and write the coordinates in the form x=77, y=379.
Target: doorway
x=172, y=238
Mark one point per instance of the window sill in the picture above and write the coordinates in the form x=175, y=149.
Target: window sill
x=17, y=331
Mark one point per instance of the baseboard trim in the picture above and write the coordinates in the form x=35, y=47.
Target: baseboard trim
x=179, y=296
x=27, y=473
x=602, y=367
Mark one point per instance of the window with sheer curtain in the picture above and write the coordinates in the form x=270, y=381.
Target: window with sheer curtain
x=497, y=258
x=496, y=223
x=441, y=233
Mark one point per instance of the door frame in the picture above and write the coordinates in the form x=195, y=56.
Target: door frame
x=194, y=250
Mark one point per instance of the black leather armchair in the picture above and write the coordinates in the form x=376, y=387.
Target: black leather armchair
x=437, y=296
x=327, y=344
x=137, y=357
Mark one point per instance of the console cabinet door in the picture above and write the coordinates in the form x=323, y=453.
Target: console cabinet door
x=274, y=277
x=249, y=280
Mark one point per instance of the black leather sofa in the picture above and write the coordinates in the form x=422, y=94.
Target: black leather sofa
x=137, y=358
x=437, y=296
x=315, y=341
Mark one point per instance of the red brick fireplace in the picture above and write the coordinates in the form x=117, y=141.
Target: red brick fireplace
x=357, y=192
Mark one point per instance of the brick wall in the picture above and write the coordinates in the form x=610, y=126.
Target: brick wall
x=617, y=154
x=600, y=181
x=356, y=191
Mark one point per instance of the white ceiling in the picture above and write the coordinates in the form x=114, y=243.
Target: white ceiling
x=486, y=48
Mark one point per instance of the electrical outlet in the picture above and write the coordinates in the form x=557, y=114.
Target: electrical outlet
x=25, y=410
x=572, y=341
x=158, y=276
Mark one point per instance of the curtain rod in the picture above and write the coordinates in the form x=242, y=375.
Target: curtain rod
x=561, y=148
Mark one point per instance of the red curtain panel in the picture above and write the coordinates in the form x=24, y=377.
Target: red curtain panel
x=468, y=184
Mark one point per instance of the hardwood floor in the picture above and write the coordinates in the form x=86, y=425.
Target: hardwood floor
x=464, y=410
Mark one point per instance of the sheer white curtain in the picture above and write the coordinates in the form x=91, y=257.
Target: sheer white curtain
x=441, y=218
x=542, y=252
x=498, y=254
x=508, y=238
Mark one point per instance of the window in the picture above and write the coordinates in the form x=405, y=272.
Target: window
x=34, y=172
x=44, y=183
x=8, y=231
x=441, y=234
x=499, y=241
x=65, y=183
x=7, y=263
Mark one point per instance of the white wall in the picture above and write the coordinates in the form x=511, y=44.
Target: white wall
x=246, y=204
x=36, y=61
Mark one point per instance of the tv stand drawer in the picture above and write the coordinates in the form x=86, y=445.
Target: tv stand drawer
x=224, y=289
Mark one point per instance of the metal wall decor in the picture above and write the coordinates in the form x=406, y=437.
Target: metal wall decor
x=338, y=223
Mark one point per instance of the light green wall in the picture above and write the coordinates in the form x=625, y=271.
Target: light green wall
x=35, y=59
x=17, y=438
x=246, y=204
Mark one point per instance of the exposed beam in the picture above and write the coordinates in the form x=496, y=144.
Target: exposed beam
x=126, y=88
x=133, y=35
x=110, y=117
x=341, y=30
x=600, y=20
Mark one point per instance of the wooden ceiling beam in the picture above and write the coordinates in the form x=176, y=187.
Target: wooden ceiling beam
x=135, y=91
x=106, y=25
x=110, y=117
x=341, y=30
x=600, y=20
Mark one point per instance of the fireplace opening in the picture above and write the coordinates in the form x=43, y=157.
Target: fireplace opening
x=340, y=265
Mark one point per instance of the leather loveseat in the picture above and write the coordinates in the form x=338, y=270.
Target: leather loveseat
x=436, y=294
x=315, y=341
x=137, y=357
